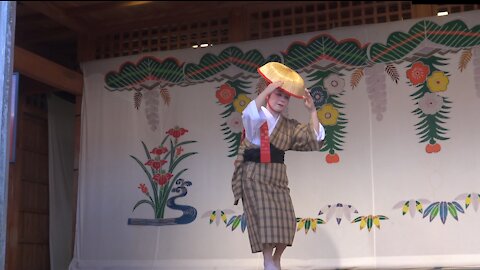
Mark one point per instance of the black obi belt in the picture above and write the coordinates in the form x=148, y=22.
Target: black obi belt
x=253, y=155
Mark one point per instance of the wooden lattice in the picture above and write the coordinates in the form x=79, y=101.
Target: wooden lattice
x=318, y=16
x=455, y=8
x=263, y=21
x=162, y=38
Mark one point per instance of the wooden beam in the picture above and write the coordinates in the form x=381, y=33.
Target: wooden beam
x=109, y=5
x=47, y=72
x=179, y=12
x=169, y=18
x=50, y=36
x=49, y=9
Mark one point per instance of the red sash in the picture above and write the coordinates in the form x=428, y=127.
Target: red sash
x=264, y=144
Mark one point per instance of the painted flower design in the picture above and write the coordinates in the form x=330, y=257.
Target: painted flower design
x=156, y=164
x=234, y=122
x=162, y=178
x=143, y=188
x=241, y=102
x=338, y=210
x=159, y=150
x=319, y=96
x=176, y=132
x=334, y=84
x=179, y=151
x=430, y=103
x=225, y=94
x=437, y=82
x=418, y=73
x=328, y=115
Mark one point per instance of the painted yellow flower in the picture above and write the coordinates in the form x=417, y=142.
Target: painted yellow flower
x=328, y=115
x=241, y=102
x=437, y=82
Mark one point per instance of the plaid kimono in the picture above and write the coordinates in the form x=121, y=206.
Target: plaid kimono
x=263, y=187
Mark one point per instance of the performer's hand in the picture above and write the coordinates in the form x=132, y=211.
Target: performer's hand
x=271, y=87
x=307, y=98
x=262, y=97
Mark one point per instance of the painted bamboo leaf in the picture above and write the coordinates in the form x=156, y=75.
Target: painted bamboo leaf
x=211, y=64
x=244, y=222
x=236, y=222
x=132, y=75
x=453, y=34
x=348, y=52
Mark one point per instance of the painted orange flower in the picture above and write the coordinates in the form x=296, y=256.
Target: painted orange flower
x=225, y=94
x=418, y=73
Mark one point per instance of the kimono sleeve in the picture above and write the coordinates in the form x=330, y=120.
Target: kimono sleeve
x=237, y=174
x=304, y=137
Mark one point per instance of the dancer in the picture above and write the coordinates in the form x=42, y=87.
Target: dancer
x=260, y=177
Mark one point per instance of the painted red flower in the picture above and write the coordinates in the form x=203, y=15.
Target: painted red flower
x=162, y=179
x=156, y=164
x=159, y=151
x=176, y=132
x=143, y=188
x=225, y=94
x=179, y=151
x=418, y=73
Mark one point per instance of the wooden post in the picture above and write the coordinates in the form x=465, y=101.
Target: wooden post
x=47, y=72
x=86, y=48
x=7, y=30
x=422, y=11
x=76, y=156
x=238, y=25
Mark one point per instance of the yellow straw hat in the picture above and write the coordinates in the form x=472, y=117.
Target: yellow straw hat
x=292, y=82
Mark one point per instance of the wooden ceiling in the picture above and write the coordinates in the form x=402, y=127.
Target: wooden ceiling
x=51, y=28
x=55, y=29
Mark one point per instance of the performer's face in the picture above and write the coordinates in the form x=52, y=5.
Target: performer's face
x=278, y=100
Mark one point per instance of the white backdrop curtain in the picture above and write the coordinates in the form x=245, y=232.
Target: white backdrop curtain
x=378, y=195
x=61, y=120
